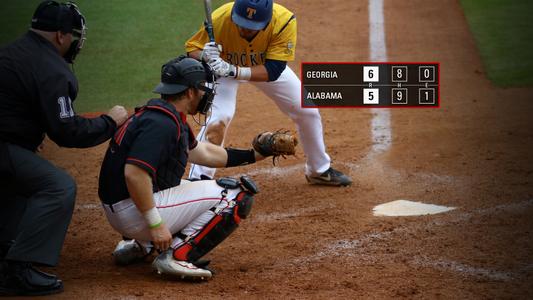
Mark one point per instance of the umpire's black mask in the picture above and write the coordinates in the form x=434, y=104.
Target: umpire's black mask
x=64, y=17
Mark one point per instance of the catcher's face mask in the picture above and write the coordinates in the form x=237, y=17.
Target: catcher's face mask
x=207, y=99
x=209, y=87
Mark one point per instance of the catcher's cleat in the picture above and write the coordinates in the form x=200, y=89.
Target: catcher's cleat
x=202, y=263
x=330, y=177
x=166, y=264
x=128, y=252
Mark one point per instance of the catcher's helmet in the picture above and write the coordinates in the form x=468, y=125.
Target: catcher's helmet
x=183, y=72
x=180, y=74
x=252, y=14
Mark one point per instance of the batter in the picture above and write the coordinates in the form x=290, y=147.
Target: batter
x=254, y=40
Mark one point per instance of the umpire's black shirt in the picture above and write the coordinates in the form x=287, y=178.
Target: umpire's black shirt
x=156, y=139
x=37, y=89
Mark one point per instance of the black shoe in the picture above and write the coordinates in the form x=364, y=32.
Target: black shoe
x=22, y=279
x=330, y=177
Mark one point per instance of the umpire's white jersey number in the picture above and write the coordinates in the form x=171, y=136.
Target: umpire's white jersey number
x=65, y=107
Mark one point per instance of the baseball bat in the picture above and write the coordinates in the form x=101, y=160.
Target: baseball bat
x=209, y=21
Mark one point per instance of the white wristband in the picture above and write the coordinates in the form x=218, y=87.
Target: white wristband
x=152, y=217
x=244, y=73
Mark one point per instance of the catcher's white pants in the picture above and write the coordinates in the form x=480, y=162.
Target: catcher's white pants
x=184, y=208
x=286, y=93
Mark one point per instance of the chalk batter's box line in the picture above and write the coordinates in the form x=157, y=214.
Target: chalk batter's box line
x=369, y=64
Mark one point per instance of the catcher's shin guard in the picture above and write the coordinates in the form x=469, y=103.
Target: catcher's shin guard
x=216, y=230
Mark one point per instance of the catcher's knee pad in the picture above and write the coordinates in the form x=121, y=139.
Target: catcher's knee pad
x=215, y=231
x=244, y=202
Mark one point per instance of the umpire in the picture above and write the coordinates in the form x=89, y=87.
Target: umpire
x=37, y=89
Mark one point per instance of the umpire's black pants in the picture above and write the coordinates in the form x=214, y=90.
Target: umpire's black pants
x=36, y=205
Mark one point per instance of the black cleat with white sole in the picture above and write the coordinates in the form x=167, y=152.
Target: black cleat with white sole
x=330, y=177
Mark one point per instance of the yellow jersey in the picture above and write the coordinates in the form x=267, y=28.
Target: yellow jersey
x=277, y=41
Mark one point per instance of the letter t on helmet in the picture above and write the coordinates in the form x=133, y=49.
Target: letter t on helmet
x=252, y=14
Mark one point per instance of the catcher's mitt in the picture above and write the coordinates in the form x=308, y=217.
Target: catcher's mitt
x=278, y=143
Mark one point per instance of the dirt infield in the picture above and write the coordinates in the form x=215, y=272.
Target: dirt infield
x=302, y=241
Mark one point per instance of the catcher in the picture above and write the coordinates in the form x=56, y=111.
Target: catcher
x=140, y=184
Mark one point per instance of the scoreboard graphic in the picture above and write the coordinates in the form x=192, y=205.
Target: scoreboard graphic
x=371, y=84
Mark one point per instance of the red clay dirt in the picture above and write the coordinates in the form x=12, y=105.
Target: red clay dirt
x=302, y=241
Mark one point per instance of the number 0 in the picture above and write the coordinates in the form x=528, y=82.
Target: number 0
x=426, y=73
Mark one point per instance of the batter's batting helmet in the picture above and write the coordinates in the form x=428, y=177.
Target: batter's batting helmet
x=252, y=14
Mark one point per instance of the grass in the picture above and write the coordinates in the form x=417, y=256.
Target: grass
x=127, y=42
x=503, y=30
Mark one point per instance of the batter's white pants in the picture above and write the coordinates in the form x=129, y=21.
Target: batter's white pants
x=184, y=208
x=286, y=93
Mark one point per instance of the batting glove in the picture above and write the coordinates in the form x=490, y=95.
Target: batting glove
x=221, y=68
x=211, y=51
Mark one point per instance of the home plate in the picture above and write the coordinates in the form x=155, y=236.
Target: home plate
x=400, y=208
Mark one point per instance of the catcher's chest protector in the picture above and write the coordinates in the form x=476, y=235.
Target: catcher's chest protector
x=169, y=172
